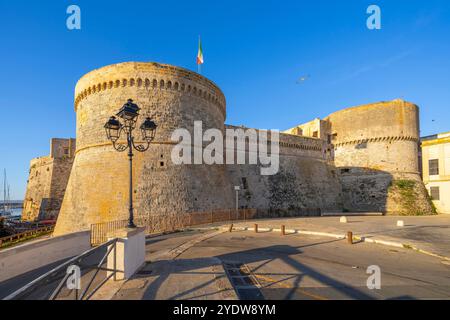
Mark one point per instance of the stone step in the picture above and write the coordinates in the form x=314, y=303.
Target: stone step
x=351, y=214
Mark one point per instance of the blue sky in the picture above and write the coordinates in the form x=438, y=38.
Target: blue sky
x=254, y=50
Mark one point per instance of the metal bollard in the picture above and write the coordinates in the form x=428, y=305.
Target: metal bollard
x=283, y=230
x=350, y=237
x=231, y=228
x=256, y=228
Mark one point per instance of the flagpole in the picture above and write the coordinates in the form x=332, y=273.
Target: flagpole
x=199, y=64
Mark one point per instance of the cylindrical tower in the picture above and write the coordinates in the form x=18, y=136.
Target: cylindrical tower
x=382, y=136
x=376, y=153
x=98, y=186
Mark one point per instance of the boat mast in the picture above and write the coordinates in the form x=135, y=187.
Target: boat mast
x=4, y=191
x=8, y=199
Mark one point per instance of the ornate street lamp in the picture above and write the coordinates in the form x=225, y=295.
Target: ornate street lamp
x=129, y=114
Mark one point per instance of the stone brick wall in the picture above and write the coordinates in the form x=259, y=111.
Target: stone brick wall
x=375, y=146
x=359, y=161
x=306, y=183
x=47, y=181
x=98, y=189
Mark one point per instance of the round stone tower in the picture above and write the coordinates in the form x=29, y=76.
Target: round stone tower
x=382, y=136
x=174, y=97
x=376, y=153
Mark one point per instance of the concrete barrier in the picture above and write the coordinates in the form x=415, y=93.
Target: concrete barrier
x=129, y=254
x=30, y=256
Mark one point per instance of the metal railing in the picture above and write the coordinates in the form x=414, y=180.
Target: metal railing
x=6, y=241
x=93, y=273
x=170, y=222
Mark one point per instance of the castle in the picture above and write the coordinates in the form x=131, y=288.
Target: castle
x=47, y=181
x=358, y=159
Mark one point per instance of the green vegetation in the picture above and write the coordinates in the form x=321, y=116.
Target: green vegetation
x=406, y=185
x=407, y=189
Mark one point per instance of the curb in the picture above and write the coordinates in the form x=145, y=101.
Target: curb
x=336, y=236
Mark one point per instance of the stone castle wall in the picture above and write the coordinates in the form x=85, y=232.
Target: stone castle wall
x=357, y=159
x=382, y=136
x=375, y=147
x=47, y=181
x=306, y=181
x=175, y=98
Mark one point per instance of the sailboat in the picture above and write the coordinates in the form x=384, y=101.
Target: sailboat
x=6, y=210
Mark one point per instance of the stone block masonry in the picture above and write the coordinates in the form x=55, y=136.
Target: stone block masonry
x=47, y=181
x=351, y=160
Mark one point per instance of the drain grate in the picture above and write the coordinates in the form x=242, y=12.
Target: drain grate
x=244, y=282
x=144, y=272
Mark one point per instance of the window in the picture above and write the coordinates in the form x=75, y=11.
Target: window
x=434, y=192
x=66, y=151
x=362, y=145
x=315, y=134
x=298, y=131
x=433, y=167
x=245, y=183
x=332, y=137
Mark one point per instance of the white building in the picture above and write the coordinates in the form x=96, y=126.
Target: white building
x=436, y=169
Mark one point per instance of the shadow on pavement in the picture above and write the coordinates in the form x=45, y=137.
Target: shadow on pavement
x=162, y=270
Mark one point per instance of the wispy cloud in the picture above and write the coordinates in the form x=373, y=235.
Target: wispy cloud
x=396, y=58
x=383, y=64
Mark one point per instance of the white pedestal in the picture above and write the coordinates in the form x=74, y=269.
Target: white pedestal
x=129, y=252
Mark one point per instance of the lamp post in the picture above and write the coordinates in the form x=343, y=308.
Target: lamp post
x=114, y=128
x=237, y=188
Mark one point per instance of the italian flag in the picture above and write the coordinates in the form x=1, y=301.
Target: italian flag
x=200, y=53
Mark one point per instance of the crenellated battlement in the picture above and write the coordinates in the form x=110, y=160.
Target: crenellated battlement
x=377, y=139
x=149, y=76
